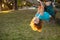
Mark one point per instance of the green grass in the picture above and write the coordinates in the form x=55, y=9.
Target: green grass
x=15, y=26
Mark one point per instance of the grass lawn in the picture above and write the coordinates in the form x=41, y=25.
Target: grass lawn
x=15, y=26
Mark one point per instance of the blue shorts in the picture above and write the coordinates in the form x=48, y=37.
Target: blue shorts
x=45, y=16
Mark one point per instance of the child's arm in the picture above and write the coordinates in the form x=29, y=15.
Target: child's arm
x=41, y=8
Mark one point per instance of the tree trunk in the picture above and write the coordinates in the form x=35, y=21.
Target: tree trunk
x=15, y=7
x=0, y=5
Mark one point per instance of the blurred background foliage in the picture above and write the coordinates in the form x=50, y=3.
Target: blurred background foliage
x=15, y=4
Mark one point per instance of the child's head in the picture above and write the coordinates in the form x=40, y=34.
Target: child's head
x=39, y=26
x=36, y=27
x=36, y=20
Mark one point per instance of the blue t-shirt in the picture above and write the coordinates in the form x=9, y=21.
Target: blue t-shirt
x=45, y=16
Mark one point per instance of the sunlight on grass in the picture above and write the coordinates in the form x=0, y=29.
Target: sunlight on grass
x=4, y=12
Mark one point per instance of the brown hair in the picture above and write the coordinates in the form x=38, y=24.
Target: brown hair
x=39, y=25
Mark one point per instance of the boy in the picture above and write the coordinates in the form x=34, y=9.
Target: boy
x=36, y=23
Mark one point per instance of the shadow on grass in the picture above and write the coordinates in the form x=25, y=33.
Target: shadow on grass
x=58, y=21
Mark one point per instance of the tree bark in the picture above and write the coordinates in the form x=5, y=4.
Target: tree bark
x=15, y=6
x=0, y=5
